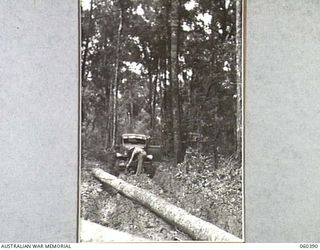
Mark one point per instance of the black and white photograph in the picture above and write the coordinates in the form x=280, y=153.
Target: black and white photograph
x=161, y=121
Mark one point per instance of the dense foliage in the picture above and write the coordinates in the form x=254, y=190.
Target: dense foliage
x=170, y=69
x=164, y=68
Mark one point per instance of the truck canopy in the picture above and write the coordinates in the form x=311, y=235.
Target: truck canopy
x=136, y=136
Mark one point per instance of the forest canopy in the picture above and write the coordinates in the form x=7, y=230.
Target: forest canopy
x=167, y=68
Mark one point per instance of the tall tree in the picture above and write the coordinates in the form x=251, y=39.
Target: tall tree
x=239, y=77
x=86, y=38
x=174, y=80
x=116, y=78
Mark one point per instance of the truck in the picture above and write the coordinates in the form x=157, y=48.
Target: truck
x=124, y=151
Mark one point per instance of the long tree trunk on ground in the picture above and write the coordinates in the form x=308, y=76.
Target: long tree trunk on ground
x=174, y=81
x=195, y=227
x=92, y=232
x=86, y=43
x=239, y=76
x=115, y=83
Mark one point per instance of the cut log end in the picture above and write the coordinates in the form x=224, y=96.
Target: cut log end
x=92, y=232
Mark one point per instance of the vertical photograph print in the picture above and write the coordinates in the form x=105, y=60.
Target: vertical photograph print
x=161, y=121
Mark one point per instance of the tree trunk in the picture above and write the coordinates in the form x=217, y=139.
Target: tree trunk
x=154, y=101
x=92, y=232
x=175, y=82
x=162, y=83
x=86, y=46
x=212, y=87
x=115, y=84
x=108, y=108
x=109, y=117
x=150, y=94
x=239, y=76
x=195, y=227
x=130, y=107
x=166, y=130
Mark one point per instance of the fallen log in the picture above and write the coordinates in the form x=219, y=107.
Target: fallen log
x=92, y=232
x=195, y=227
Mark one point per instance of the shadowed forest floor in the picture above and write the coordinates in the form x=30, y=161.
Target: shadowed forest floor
x=214, y=195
